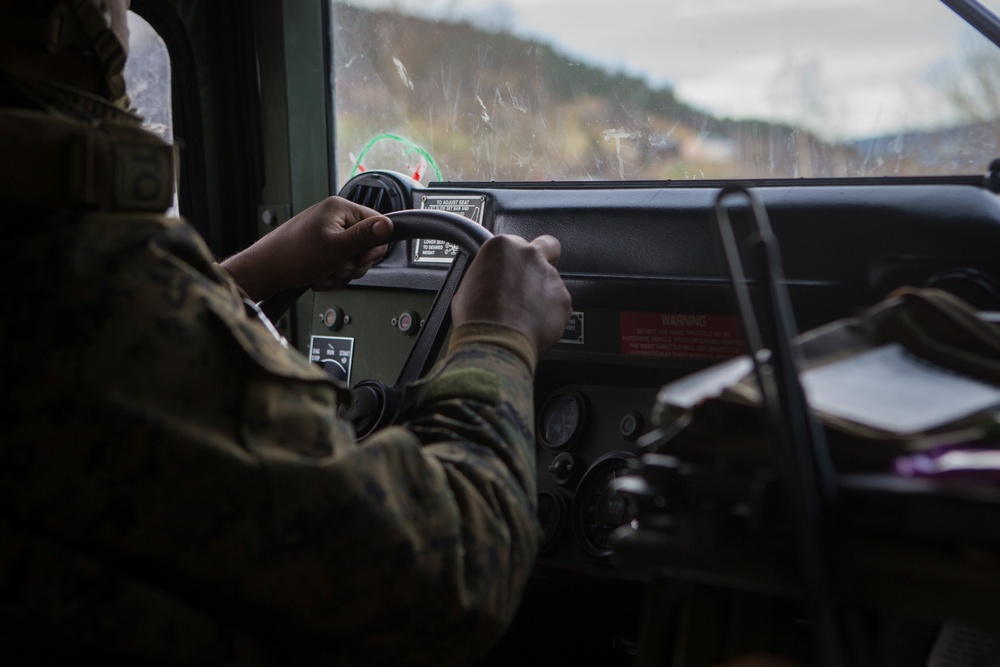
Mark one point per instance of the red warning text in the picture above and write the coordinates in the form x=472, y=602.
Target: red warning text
x=681, y=335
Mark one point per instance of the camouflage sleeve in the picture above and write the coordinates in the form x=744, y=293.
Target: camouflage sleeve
x=433, y=519
x=192, y=497
x=414, y=547
x=422, y=539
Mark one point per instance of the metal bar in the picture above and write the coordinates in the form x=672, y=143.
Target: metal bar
x=799, y=446
x=978, y=16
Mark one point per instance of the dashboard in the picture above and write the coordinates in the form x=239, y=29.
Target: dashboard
x=651, y=303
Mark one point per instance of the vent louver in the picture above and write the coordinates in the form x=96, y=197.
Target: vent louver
x=379, y=191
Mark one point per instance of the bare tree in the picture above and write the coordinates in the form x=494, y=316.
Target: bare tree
x=971, y=82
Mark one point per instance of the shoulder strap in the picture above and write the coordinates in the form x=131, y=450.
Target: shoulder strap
x=49, y=163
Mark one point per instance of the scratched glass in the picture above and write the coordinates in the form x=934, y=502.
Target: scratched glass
x=147, y=77
x=528, y=90
x=147, y=80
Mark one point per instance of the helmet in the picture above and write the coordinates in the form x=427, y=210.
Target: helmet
x=55, y=25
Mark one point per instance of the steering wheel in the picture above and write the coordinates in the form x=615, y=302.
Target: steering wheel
x=373, y=405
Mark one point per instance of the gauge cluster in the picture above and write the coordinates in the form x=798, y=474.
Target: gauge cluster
x=586, y=439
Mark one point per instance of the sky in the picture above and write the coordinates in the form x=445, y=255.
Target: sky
x=845, y=68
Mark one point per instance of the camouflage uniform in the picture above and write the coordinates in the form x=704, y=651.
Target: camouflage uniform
x=175, y=486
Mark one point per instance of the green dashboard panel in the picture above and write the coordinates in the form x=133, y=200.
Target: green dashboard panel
x=366, y=321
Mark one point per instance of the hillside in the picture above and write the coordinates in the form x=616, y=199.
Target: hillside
x=493, y=106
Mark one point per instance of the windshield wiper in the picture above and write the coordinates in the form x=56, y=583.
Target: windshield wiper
x=978, y=16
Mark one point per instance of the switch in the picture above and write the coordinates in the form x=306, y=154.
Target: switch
x=333, y=318
x=631, y=426
x=408, y=322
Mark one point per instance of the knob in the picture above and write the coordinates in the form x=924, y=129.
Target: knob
x=631, y=426
x=563, y=467
x=372, y=406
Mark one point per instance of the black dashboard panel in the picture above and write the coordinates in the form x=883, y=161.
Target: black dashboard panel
x=852, y=243
x=644, y=263
x=651, y=302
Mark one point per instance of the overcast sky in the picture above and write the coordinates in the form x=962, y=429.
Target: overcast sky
x=847, y=68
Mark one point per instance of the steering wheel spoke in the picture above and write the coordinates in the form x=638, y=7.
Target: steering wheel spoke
x=374, y=405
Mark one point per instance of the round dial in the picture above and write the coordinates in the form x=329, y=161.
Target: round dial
x=551, y=516
x=562, y=419
x=598, y=510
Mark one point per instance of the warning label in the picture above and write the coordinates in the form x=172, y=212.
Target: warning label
x=681, y=335
x=441, y=252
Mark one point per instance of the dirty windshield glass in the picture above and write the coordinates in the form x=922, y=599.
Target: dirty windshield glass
x=540, y=90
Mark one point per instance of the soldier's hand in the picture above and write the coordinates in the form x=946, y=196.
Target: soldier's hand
x=325, y=246
x=514, y=282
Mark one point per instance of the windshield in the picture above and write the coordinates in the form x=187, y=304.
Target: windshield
x=529, y=90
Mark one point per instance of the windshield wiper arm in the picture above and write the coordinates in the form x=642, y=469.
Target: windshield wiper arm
x=978, y=16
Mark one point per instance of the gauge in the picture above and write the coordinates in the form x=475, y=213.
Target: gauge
x=598, y=510
x=551, y=516
x=562, y=419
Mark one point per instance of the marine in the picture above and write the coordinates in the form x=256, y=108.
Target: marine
x=175, y=485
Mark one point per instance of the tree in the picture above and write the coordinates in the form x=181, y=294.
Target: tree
x=971, y=82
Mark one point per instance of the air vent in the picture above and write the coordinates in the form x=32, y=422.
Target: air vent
x=383, y=191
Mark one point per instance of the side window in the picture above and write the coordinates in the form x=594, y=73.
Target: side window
x=147, y=79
